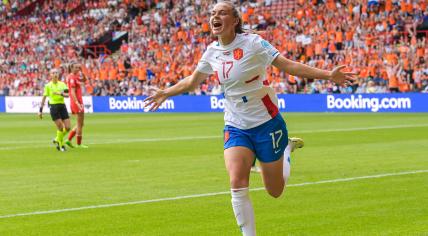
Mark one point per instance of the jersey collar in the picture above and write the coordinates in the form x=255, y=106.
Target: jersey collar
x=230, y=45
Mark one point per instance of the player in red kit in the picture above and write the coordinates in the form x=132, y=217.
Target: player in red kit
x=75, y=81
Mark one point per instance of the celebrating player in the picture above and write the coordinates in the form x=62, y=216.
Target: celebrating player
x=254, y=128
x=74, y=81
x=56, y=91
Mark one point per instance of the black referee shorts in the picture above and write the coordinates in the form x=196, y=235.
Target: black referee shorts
x=59, y=111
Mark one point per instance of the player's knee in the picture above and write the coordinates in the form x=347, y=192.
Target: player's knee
x=238, y=183
x=276, y=193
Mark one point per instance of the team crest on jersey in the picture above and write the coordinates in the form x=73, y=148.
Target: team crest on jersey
x=238, y=54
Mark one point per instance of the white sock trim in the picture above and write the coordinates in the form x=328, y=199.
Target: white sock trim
x=238, y=189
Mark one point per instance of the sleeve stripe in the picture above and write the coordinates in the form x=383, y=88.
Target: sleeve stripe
x=251, y=80
x=275, y=54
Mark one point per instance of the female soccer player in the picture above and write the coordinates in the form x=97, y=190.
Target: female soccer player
x=74, y=83
x=56, y=91
x=254, y=127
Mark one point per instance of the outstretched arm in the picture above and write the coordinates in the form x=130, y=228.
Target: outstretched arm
x=186, y=85
x=305, y=71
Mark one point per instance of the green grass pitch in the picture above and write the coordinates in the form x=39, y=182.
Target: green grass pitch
x=138, y=157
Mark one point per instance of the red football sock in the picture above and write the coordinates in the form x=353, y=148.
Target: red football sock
x=71, y=135
x=79, y=140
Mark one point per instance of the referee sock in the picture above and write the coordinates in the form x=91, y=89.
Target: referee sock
x=243, y=210
x=286, y=166
x=71, y=135
x=59, y=137
x=64, y=132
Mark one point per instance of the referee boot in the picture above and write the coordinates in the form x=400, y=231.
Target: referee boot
x=56, y=143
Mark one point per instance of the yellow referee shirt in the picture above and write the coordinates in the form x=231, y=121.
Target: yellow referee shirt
x=51, y=88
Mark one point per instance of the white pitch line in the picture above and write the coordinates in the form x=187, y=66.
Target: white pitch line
x=117, y=141
x=144, y=140
x=360, y=128
x=207, y=194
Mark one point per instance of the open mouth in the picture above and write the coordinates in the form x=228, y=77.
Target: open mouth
x=217, y=25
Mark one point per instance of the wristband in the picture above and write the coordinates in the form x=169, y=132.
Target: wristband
x=41, y=109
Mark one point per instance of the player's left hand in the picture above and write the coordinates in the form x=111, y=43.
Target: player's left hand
x=342, y=78
x=155, y=101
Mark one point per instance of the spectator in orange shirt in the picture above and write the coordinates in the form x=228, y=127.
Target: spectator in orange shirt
x=392, y=72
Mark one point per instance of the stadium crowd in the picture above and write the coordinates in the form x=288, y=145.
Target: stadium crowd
x=378, y=39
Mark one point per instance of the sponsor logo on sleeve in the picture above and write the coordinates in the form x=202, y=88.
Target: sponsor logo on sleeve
x=266, y=44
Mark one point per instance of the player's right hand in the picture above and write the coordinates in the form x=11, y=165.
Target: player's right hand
x=40, y=115
x=80, y=107
x=155, y=101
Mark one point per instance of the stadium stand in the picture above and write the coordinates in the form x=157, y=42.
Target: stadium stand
x=384, y=41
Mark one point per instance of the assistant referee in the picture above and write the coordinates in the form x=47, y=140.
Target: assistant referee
x=56, y=91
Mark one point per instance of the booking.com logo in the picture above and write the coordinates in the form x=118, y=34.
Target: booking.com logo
x=373, y=104
x=219, y=103
x=136, y=104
